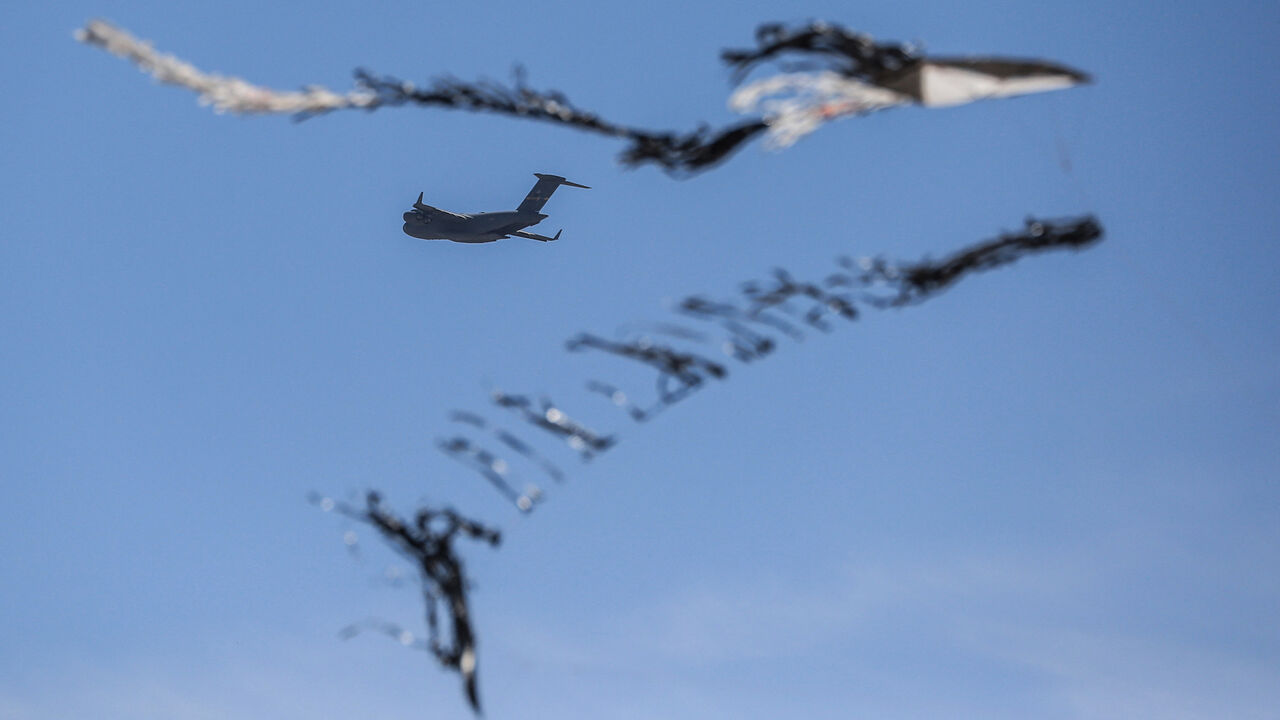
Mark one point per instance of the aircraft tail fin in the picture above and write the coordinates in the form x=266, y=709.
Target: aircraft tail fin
x=542, y=190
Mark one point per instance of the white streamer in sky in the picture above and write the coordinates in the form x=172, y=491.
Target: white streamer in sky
x=224, y=93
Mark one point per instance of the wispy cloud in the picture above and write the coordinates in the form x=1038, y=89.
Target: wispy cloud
x=779, y=617
x=1106, y=676
x=969, y=632
x=269, y=675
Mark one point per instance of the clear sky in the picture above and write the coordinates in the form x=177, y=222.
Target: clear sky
x=1048, y=493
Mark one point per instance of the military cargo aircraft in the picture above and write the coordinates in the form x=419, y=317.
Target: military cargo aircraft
x=429, y=223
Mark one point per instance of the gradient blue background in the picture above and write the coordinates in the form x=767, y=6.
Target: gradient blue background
x=1049, y=493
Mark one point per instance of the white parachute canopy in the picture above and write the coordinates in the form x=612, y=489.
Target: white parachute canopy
x=940, y=83
x=796, y=104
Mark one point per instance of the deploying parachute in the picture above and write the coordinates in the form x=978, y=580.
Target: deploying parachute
x=863, y=76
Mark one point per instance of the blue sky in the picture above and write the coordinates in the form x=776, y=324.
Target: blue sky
x=1048, y=493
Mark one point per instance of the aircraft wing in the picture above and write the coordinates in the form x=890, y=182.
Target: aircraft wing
x=535, y=236
x=430, y=210
x=437, y=212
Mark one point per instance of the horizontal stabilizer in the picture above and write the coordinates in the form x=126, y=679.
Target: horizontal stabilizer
x=560, y=180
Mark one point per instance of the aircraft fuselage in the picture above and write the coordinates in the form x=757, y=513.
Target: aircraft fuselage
x=477, y=228
x=430, y=223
